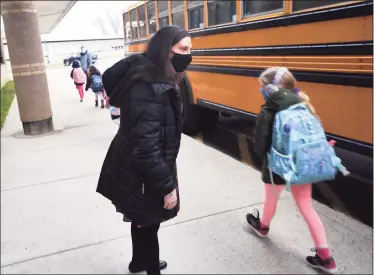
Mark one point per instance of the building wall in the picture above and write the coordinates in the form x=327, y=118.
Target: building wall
x=56, y=51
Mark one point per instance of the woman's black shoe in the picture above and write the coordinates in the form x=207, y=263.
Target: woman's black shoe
x=137, y=269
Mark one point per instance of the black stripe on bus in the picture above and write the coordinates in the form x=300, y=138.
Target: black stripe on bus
x=337, y=78
x=353, y=48
x=360, y=147
x=349, y=11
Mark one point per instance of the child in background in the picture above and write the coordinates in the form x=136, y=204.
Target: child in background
x=79, y=77
x=95, y=82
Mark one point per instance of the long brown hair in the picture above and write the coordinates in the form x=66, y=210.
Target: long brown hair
x=92, y=70
x=159, y=47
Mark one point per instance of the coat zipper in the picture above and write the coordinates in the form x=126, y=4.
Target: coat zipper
x=143, y=189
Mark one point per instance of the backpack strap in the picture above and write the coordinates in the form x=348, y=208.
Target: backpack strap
x=287, y=178
x=272, y=182
x=343, y=170
x=338, y=163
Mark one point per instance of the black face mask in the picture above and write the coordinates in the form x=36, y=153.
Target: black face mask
x=180, y=62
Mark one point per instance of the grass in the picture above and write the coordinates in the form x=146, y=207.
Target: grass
x=6, y=98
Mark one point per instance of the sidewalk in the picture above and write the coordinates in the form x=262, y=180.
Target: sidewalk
x=54, y=222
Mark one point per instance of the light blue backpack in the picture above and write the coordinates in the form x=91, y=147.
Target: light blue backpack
x=300, y=152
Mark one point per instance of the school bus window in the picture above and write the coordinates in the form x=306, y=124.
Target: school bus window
x=134, y=24
x=177, y=13
x=309, y=4
x=195, y=14
x=126, y=25
x=163, y=13
x=151, y=10
x=141, y=16
x=221, y=12
x=257, y=7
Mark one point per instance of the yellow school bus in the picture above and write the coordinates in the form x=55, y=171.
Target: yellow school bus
x=327, y=44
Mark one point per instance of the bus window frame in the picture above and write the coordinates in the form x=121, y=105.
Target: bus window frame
x=288, y=7
x=123, y=12
x=137, y=22
x=137, y=18
x=184, y=13
x=205, y=13
x=188, y=19
x=146, y=19
x=156, y=17
x=325, y=7
x=124, y=25
x=261, y=15
x=222, y=24
x=128, y=10
x=158, y=14
x=169, y=13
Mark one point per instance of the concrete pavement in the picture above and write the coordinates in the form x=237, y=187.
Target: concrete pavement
x=52, y=221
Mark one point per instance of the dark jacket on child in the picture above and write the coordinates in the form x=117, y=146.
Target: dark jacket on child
x=140, y=166
x=262, y=137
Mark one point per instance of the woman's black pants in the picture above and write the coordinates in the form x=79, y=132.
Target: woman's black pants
x=145, y=248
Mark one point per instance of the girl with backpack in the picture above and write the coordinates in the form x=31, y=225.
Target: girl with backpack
x=79, y=77
x=95, y=82
x=278, y=87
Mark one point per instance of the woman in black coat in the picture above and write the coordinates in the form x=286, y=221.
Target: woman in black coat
x=139, y=173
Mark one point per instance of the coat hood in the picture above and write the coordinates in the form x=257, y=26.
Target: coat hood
x=76, y=64
x=119, y=78
x=281, y=100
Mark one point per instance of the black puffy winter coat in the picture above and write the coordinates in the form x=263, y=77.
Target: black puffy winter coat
x=140, y=166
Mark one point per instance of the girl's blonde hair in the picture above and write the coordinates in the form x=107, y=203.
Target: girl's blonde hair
x=287, y=81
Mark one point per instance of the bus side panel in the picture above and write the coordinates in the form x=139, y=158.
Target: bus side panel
x=344, y=110
x=333, y=31
x=313, y=63
x=137, y=48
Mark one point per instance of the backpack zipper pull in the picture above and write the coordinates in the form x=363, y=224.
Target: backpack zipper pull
x=143, y=189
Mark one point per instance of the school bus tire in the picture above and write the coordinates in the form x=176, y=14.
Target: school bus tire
x=209, y=119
